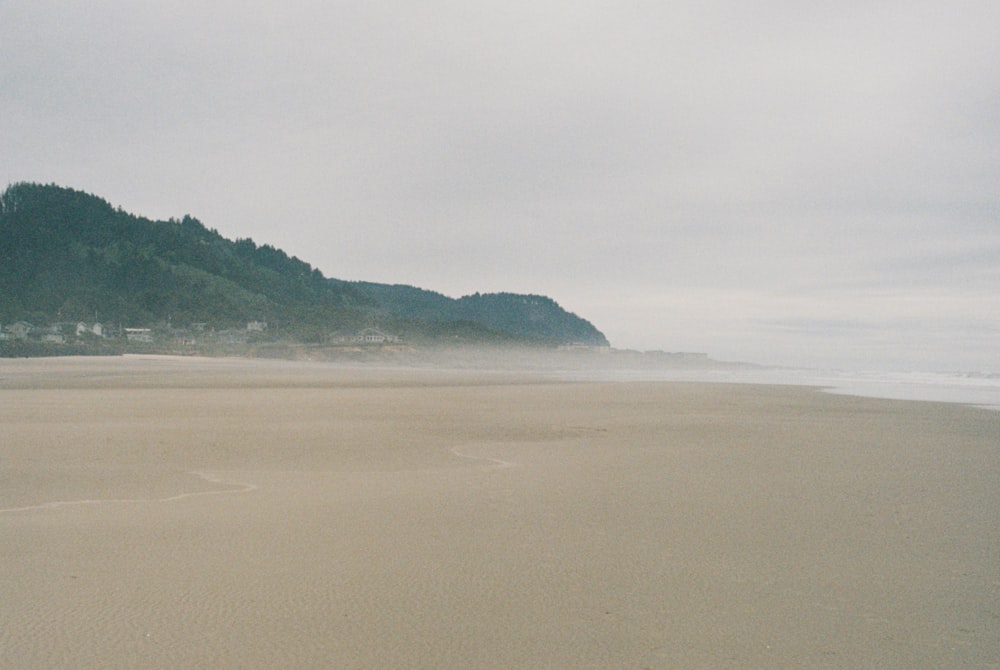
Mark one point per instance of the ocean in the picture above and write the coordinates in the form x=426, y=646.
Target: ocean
x=980, y=389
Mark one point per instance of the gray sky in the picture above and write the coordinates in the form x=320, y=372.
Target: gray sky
x=782, y=182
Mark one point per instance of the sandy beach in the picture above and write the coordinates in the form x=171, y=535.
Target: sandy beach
x=203, y=513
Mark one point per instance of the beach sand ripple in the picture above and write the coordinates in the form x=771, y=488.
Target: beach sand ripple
x=164, y=513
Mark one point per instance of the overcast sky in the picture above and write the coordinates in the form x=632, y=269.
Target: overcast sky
x=798, y=182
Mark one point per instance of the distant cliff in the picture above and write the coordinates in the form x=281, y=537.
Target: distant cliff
x=532, y=316
x=68, y=256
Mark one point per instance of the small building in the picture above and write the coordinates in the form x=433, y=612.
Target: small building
x=83, y=329
x=20, y=330
x=256, y=326
x=373, y=336
x=139, y=335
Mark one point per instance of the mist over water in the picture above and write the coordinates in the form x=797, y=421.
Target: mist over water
x=979, y=389
x=614, y=365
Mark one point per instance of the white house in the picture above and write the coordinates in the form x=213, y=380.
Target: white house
x=139, y=334
x=373, y=336
x=83, y=329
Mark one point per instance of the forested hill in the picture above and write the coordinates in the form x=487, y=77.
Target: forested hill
x=70, y=256
x=527, y=315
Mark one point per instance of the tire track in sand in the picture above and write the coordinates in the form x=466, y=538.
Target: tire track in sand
x=243, y=488
x=496, y=461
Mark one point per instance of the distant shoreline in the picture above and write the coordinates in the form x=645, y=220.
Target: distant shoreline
x=611, y=366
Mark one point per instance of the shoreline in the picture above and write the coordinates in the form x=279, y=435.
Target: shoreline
x=468, y=519
x=979, y=391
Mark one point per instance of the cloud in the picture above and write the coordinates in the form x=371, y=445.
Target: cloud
x=752, y=163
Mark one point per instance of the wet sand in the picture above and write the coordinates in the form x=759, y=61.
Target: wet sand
x=181, y=513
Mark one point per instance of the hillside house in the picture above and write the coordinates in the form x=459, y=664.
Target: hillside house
x=144, y=335
x=373, y=336
x=20, y=330
x=83, y=329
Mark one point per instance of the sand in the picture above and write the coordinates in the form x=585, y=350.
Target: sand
x=185, y=513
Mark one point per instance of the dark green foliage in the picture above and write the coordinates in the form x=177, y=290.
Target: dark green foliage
x=34, y=349
x=534, y=315
x=68, y=255
x=530, y=316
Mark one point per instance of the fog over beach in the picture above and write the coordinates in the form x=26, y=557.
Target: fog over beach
x=166, y=512
x=789, y=183
x=806, y=191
